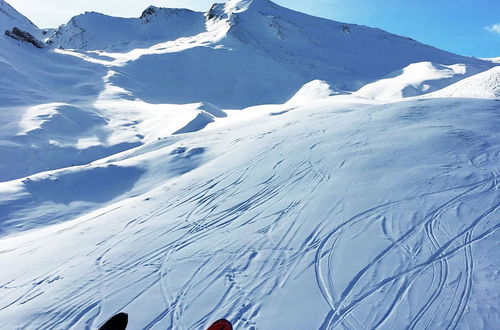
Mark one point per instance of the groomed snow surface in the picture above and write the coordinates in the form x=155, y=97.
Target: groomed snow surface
x=253, y=163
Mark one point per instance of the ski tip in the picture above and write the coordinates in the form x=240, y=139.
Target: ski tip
x=221, y=324
x=117, y=322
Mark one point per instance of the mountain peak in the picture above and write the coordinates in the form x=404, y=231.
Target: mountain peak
x=242, y=5
x=10, y=18
x=152, y=13
x=225, y=10
x=93, y=30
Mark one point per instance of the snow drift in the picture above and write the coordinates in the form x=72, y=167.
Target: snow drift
x=483, y=85
x=416, y=79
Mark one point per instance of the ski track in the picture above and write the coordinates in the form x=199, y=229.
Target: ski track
x=274, y=248
x=344, y=306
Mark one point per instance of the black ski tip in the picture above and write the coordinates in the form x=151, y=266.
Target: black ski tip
x=221, y=324
x=117, y=322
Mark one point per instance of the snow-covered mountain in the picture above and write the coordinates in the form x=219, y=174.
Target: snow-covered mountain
x=97, y=31
x=9, y=18
x=281, y=170
x=274, y=45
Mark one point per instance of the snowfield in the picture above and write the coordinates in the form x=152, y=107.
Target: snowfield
x=276, y=169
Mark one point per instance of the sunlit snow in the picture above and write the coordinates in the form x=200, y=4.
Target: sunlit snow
x=253, y=163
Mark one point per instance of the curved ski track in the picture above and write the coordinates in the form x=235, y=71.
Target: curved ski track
x=227, y=244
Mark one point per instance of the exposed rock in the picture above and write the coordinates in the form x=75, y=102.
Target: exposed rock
x=216, y=11
x=148, y=12
x=24, y=36
x=152, y=13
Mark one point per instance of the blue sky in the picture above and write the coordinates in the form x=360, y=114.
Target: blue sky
x=467, y=27
x=459, y=26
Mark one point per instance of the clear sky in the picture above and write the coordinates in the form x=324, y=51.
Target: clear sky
x=467, y=27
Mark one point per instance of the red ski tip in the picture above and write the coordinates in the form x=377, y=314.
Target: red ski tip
x=221, y=324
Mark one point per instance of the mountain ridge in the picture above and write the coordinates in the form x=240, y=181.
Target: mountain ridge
x=92, y=30
x=13, y=18
x=282, y=46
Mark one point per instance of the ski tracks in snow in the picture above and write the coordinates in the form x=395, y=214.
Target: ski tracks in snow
x=271, y=258
x=353, y=298
x=241, y=239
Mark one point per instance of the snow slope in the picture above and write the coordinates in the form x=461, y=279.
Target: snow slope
x=271, y=45
x=32, y=76
x=184, y=167
x=483, y=85
x=493, y=59
x=9, y=18
x=345, y=214
x=97, y=31
x=415, y=79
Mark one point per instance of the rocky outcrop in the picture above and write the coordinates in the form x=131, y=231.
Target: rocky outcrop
x=153, y=13
x=24, y=36
x=148, y=12
x=216, y=12
x=95, y=31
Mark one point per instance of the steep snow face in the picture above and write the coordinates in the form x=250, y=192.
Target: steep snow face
x=482, y=85
x=228, y=78
x=92, y=30
x=243, y=50
x=252, y=47
x=225, y=10
x=416, y=79
x=345, y=55
x=9, y=18
x=32, y=76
